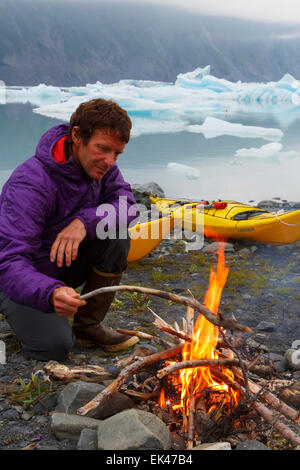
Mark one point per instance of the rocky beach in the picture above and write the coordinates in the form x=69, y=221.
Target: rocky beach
x=262, y=291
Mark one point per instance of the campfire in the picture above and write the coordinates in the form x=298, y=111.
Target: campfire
x=203, y=387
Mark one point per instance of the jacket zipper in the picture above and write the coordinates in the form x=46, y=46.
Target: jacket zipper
x=93, y=189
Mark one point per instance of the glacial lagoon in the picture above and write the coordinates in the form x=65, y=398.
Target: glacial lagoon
x=199, y=138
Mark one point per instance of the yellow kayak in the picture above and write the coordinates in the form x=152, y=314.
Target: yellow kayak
x=147, y=235
x=238, y=221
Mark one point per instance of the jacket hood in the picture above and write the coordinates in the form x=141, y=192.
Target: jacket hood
x=44, y=153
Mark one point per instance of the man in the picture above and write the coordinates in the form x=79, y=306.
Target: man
x=49, y=213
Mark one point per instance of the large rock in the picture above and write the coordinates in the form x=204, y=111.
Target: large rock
x=142, y=192
x=292, y=357
x=77, y=394
x=133, y=429
x=269, y=205
x=278, y=361
x=266, y=326
x=66, y=426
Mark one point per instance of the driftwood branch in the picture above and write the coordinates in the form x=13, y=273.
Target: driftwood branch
x=268, y=397
x=190, y=313
x=268, y=415
x=125, y=373
x=142, y=395
x=271, y=399
x=242, y=365
x=162, y=325
x=196, y=363
x=217, y=320
x=89, y=373
x=265, y=412
x=191, y=419
x=142, y=335
x=178, y=334
x=190, y=443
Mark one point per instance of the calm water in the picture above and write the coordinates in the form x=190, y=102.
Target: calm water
x=221, y=175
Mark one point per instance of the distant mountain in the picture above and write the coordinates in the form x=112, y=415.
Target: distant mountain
x=68, y=43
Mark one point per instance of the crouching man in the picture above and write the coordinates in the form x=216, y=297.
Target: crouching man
x=49, y=213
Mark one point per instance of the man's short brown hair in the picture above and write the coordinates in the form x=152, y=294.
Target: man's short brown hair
x=100, y=114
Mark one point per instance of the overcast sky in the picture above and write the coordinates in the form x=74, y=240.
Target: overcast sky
x=265, y=10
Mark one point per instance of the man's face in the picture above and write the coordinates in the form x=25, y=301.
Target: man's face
x=99, y=154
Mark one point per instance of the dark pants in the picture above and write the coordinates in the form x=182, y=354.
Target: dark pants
x=46, y=336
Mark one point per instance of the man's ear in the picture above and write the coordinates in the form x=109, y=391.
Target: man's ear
x=75, y=136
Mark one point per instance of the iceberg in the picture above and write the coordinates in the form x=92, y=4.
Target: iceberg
x=174, y=107
x=37, y=95
x=184, y=170
x=266, y=151
x=213, y=127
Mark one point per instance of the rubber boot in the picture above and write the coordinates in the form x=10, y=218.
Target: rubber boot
x=87, y=325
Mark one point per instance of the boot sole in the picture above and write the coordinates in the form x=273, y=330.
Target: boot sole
x=109, y=347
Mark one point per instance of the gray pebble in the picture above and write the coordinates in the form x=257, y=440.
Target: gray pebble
x=10, y=414
x=266, y=326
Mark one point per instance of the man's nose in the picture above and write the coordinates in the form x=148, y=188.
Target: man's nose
x=110, y=159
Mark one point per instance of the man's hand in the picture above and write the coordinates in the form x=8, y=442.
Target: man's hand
x=67, y=243
x=65, y=301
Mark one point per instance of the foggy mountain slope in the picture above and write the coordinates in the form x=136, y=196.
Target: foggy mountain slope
x=74, y=43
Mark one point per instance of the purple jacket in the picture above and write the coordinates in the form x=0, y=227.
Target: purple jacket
x=41, y=198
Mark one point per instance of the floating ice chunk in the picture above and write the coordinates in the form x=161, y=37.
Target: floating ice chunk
x=288, y=81
x=188, y=171
x=142, y=126
x=201, y=80
x=36, y=95
x=192, y=77
x=266, y=151
x=2, y=93
x=213, y=127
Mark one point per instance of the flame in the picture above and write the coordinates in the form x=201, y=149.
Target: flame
x=196, y=381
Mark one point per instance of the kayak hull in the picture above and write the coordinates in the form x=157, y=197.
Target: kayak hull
x=147, y=236
x=263, y=227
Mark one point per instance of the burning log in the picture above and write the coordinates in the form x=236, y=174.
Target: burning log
x=190, y=443
x=194, y=364
x=190, y=331
x=125, y=373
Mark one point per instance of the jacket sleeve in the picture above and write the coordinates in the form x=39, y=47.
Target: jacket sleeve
x=115, y=200
x=23, y=214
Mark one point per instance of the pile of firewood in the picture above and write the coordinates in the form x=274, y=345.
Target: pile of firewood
x=251, y=378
